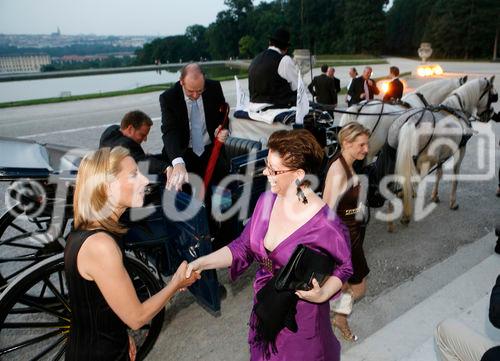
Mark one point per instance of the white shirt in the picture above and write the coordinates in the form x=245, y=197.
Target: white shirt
x=287, y=69
x=206, y=137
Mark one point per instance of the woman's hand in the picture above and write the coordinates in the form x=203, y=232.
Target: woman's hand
x=181, y=280
x=315, y=295
x=194, y=267
x=132, y=348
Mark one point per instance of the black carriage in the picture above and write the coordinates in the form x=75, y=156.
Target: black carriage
x=35, y=317
x=34, y=313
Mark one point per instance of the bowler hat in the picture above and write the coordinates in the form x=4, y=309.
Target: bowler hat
x=281, y=38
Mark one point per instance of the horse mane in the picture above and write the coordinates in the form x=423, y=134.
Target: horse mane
x=437, y=90
x=364, y=106
x=468, y=93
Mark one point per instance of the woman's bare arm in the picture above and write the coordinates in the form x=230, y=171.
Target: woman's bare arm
x=335, y=184
x=218, y=259
x=100, y=260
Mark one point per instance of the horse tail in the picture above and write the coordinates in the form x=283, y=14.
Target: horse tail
x=350, y=117
x=405, y=167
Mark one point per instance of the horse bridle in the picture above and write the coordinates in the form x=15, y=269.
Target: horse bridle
x=492, y=98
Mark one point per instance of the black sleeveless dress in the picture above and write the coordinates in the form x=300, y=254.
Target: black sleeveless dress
x=347, y=209
x=96, y=332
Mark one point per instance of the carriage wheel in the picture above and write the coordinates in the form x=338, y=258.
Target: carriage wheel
x=24, y=241
x=31, y=330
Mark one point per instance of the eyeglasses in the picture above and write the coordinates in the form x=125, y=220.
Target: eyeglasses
x=273, y=172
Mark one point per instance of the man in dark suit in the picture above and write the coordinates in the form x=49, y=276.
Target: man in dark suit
x=362, y=88
x=322, y=88
x=132, y=131
x=395, y=90
x=191, y=115
x=336, y=81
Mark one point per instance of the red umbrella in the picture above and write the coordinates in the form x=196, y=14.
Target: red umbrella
x=217, y=146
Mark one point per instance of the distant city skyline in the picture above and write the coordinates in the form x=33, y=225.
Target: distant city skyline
x=108, y=17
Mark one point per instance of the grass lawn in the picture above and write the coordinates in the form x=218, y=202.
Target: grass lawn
x=347, y=60
x=139, y=90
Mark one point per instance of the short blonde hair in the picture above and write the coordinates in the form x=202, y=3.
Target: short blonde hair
x=350, y=132
x=91, y=206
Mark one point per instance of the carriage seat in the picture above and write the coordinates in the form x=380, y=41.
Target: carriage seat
x=239, y=146
x=63, y=157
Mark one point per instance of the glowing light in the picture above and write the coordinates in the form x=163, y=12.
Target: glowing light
x=383, y=85
x=437, y=70
x=429, y=70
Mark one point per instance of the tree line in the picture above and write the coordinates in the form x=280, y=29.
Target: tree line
x=456, y=29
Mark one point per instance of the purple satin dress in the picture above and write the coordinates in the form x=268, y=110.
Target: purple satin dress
x=314, y=339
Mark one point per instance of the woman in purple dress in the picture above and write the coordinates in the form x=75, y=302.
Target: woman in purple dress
x=289, y=215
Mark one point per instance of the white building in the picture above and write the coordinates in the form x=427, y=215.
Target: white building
x=23, y=63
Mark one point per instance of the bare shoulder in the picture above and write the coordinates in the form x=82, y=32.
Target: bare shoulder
x=336, y=169
x=99, y=247
x=99, y=251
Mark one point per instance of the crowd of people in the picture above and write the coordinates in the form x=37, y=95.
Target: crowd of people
x=296, y=324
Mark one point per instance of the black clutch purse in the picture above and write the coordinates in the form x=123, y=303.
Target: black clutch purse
x=304, y=265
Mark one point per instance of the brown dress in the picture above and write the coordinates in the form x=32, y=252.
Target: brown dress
x=347, y=209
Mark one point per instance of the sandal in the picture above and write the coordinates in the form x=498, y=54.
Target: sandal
x=345, y=331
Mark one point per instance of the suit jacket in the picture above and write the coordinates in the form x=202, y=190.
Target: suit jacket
x=174, y=117
x=494, y=315
x=113, y=137
x=358, y=87
x=337, y=88
x=395, y=91
x=323, y=88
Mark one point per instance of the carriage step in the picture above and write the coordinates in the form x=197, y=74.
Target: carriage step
x=459, y=289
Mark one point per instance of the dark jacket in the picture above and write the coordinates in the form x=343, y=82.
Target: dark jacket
x=493, y=354
x=265, y=84
x=395, y=91
x=174, y=116
x=113, y=137
x=358, y=87
x=323, y=88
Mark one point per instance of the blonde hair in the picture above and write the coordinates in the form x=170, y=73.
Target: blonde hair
x=91, y=206
x=350, y=132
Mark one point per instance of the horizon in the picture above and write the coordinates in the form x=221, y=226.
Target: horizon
x=159, y=18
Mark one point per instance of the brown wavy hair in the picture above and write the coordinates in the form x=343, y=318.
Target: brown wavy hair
x=298, y=149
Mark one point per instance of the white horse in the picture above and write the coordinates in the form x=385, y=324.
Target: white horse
x=378, y=116
x=426, y=137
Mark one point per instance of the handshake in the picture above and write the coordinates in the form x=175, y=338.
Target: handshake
x=186, y=275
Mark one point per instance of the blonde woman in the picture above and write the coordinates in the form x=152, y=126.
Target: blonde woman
x=341, y=193
x=102, y=297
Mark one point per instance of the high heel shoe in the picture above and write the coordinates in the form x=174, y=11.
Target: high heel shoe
x=345, y=331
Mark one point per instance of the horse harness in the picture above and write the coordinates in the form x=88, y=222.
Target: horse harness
x=435, y=109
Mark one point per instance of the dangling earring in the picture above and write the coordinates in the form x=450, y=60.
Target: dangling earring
x=300, y=194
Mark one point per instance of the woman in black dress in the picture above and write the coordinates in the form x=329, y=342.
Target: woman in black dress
x=342, y=188
x=101, y=294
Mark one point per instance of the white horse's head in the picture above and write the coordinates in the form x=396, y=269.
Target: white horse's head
x=488, y=96
x=478, y=95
